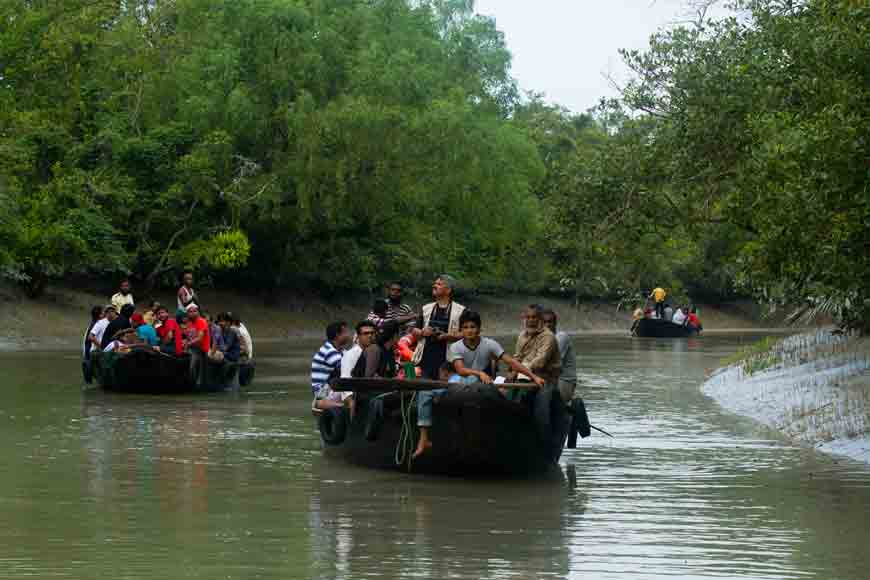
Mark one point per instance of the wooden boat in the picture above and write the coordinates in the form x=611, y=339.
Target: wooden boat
x=658, y=328
x=145, y=370
x=476, y=430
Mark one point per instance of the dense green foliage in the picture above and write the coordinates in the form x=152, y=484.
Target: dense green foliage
x=336, y=143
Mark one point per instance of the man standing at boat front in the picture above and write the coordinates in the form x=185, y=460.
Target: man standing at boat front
x=437, y=328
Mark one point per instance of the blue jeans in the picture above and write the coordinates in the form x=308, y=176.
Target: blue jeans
x=424, y=406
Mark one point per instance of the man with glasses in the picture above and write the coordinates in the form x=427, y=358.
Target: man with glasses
x=365, y=337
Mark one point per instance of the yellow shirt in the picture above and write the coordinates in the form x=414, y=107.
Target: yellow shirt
x=659, y=294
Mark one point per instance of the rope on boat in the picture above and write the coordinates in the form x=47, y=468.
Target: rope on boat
x=405, y=445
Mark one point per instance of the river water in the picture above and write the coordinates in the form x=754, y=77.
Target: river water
x=99, y=485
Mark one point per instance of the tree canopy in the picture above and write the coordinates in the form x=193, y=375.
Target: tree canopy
x=337, y=143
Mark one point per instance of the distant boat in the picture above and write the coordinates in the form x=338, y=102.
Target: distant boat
x=658, y=328
x=145, y=370
x=475, y=431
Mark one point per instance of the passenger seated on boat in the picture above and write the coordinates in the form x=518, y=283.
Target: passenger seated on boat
x=121, y=322
x=668, y=313
x=199, y=334
x=145, y=332
x=247, y=343
x=365, y=337
x=377, y=360
x=326, y=367
x=150, y=314
x=694, y=321
x=198, y=342
x=568, y=367
x=679, y=316
x=171, y=340
x=425, y=402
x=122, y=342
x=474, y=354
x=537, y=347
x=232, y=347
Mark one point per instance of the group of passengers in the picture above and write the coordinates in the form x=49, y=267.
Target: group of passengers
x=443, y=342
x=120, y=327
x=661, y=309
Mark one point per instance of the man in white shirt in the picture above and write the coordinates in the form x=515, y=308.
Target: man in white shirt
x=679, y=316
x=123, y=296
x=365, y=336
x=110, y=313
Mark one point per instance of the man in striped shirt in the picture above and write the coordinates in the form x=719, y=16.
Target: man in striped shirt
x=326, y=366
x=396, y=309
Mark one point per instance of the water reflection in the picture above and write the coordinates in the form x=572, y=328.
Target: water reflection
x=442, y=528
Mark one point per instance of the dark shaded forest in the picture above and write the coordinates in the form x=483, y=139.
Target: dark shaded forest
x=333, y=144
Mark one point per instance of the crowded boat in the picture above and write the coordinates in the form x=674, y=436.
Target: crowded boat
x=659, y=318
x=429, y=389
x=185, y=346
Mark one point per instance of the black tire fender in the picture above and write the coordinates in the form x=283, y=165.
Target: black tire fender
x=579, y=423
x=333, y=426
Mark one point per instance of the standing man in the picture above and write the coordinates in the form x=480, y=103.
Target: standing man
x=568, y=369
x=186, y=294
x=396, y=309
x=437, y=327
x=88, y=344
x=123, y=296
x=110, y=313
x=659, y=295
x=326, y=367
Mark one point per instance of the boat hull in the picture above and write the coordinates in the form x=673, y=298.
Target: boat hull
x=475, y=432
x=657, y=328
x=147, y=371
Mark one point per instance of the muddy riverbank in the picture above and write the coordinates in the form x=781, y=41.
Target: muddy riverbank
x=59, y=318
x=814, y=388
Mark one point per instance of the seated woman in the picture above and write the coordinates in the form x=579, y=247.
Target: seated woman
x=377, y=359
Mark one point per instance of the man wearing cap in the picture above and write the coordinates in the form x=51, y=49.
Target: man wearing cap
x=122, y=322
x=437, y=327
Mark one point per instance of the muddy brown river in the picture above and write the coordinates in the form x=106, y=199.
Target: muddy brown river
x=234, y=486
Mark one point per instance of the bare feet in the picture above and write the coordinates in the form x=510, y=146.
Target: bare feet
x=422, y=447
x=425, y=443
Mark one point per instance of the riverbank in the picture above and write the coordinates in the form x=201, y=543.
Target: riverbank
x=814, y=388
x=59, y=317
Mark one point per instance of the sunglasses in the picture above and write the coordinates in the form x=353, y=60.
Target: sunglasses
x=367, y=333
